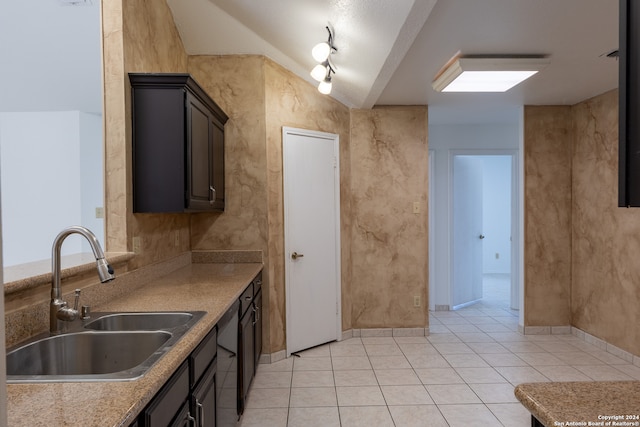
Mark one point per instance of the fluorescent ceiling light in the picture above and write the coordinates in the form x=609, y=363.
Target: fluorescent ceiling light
x=486, y=74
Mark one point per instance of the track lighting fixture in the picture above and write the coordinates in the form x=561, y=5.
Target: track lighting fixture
x=322, y=72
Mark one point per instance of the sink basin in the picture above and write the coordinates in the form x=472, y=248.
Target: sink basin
x=139, y=321
x=84, y=354
x=109, y=347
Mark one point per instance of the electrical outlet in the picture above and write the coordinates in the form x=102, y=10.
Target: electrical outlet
x=416, y=301
x=99, y=212
x=497, y=255
x=176, y=238
x=136, y=245
x=416, y=207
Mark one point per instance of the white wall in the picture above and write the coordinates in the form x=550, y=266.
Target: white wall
x=44, y=179
x=444, y=139
x=496, y=174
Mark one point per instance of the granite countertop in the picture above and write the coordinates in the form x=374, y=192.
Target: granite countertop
x=208, y=287
x=582, y=403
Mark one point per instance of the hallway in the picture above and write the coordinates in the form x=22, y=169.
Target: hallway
x=462, y=374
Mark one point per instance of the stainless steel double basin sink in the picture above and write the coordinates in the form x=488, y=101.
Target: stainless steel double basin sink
x=108, y=347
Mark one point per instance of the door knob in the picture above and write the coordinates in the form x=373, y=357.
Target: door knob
x=296, y=255
x=481, y=236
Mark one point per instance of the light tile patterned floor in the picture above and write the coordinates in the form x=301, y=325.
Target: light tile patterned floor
x=462, y=374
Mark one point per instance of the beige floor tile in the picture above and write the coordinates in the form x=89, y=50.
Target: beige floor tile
x=439, y=376
x=540, y=359
x=503, y=359
x=465, y=361
x=480, y=375
x=495, y=393
x=487, y=347
x=453, y=348
x=275, y=379
x=320, y=351
x=578, y=358
x=406, y=395
x=350, y=363
x=378, y=340
x=309, y=397
x=521, y=374
x=417, y=416
x=311, y=363
x=468, y=415
x=470, y=337
x=365, y=416
x=410, y=340
x=314, y=417
x=272, y=417
x=450, y=337
x=417, y=348
x=383, y=350
x=268, y=398
x=312, y=379
x=355, y=377
x=360, y=396
x=511, y=414
x=562, y=373
x=603, y=373
x=281, y=365
x=397, y=377
x=389, y=362
x=422, y=361
x=521, y=346
x=348, y=350
x=450, y=394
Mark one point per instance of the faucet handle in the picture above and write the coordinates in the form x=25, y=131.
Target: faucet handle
x=76, y=302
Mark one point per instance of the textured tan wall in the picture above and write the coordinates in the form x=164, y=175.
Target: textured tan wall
x=139, y=36
x=389, y=243
x=605, y=292
x=547, y=199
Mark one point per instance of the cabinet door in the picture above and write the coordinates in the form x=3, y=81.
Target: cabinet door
x=203, y=399
x=199, y=155
x=217, y=177
x=246, y=371
x=169, y=400
x=257, y=304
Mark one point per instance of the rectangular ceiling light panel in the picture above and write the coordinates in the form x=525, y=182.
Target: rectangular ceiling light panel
x=486, y=74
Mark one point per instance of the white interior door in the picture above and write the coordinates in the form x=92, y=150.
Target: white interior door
x=467, y=230
x=312, y=238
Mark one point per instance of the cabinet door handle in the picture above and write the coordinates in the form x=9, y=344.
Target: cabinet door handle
x=189, y=420
x=200, y=412
x=213, y=195
x=296, y=255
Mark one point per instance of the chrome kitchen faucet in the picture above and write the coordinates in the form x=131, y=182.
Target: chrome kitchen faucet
x=58, y=309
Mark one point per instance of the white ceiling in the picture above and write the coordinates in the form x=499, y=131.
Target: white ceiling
x=390, y=50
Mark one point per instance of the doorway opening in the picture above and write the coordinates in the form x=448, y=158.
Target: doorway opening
x=481, y=238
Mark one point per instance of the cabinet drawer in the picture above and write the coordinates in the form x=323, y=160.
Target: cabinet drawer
x=246, y=298
x=169, y=400
x=202, y=356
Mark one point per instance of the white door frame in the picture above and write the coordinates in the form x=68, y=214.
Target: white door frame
x=287, y=244
x=517, y=248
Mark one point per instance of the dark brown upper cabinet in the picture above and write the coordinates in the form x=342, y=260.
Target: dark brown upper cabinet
x=178, y=145
x=629, y=105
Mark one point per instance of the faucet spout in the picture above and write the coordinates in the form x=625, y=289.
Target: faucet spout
x=58, y=307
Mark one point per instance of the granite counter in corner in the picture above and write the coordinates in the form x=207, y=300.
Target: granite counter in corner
x=207, y=287
x=599, y=403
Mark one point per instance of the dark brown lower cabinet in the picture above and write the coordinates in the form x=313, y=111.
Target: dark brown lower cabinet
x=249, y=338
x=188, y=397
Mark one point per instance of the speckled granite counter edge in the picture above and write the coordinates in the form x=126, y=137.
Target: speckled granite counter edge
x=559, y=403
